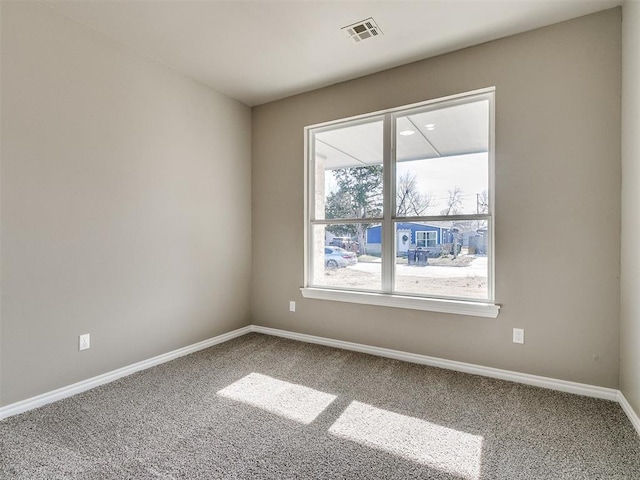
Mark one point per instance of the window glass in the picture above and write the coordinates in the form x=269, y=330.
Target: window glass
x=448, y=259
x=442, y=161
x=348, y=171
x=351, y=267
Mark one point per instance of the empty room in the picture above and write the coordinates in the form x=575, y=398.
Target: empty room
x=314, y=239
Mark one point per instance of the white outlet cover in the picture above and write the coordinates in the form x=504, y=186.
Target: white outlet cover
x=518, y=335
x=292, y=306
x=84, y=341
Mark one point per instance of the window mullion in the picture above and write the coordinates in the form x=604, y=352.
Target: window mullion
x=388, y=243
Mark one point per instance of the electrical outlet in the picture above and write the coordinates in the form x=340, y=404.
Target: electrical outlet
x=292, y=306
x=84, y=341
x=518, y=335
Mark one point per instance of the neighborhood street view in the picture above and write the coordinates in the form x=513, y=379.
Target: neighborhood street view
x=444, y=257
x=441, y=278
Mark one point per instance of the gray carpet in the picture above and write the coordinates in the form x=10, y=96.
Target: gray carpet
x=261, y=407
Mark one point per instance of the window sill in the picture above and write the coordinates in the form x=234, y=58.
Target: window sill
x=458, y=307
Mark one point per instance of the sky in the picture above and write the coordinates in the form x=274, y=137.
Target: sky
x=436, y=176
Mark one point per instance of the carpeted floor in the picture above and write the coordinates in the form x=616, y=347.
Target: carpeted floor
x=261, y=407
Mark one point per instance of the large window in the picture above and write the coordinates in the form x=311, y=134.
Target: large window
x=400, y=207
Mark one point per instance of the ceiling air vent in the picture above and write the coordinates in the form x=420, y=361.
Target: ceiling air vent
x=363, y=29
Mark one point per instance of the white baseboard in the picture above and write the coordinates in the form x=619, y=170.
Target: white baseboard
x=527, y=379
x=524, y=378
x=64, y=392
x=628, y=409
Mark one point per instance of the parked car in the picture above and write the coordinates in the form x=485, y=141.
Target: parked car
x=335, y=257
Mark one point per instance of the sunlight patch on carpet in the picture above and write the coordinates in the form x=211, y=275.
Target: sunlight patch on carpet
x=288, y=400
x=443, y=448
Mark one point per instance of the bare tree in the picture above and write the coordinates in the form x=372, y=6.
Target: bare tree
x=409, y=201
x=454, y=202
x=482, y=201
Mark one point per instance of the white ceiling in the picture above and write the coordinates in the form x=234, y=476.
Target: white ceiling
x=262, y=50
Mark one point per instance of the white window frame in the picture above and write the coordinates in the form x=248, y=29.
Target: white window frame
x=386, y=297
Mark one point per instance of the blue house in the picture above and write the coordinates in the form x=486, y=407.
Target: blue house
x=411, y=235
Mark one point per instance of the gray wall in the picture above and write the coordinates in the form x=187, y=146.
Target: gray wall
x=125, y=197
x=630, y=275
x=557, y=204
